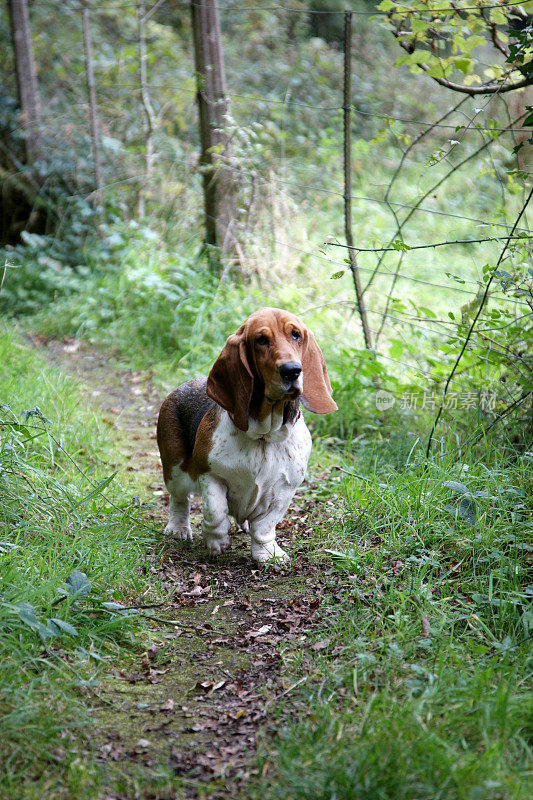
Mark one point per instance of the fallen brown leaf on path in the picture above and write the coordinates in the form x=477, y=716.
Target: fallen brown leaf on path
x=198, y=591
x=321, y=645
x=142, y=744
x=264, y=629
x=209, y=686
x=112, y=751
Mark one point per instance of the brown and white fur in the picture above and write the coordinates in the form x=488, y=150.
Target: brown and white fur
x=238, y=437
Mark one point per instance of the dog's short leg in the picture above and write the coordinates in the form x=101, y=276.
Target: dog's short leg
x=179, y=488
x=263, y=534
x=216, y=524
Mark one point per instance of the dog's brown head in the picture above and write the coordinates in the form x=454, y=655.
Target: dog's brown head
x=272, y=356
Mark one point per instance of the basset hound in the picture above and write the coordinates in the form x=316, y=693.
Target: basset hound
x=238, y=438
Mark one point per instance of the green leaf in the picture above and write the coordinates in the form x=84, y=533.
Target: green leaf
x=465, y=65
x=78, y=585
x=26, y=613
x=475, y=41
x=441, y=69
x=82, y=653
x=528, y=121
x=342, y=560
x=455, y=486
x=66, y=627
x=399, y=245
x=421, y=57
x=17, y=427
x=419, y=26
x=337, y=275
x=98, y=489
x=396, y=349
x=455, y=277
x=466, y=510
x=118, y=608
x=498, y=16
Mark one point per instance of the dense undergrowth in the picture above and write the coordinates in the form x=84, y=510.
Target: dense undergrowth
x=154, y=299
x=70, y=560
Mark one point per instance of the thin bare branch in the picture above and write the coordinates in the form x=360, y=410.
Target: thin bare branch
x=472, y=326
x=425, y=246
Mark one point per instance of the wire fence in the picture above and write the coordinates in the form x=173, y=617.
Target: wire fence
x=387, y=257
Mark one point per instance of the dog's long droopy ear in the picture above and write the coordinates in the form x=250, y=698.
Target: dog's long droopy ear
x=230, y=382
x=316, y=395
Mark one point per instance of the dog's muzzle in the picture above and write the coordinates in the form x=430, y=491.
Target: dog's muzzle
x=290, y=373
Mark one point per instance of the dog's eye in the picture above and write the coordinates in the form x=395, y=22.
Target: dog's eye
x=262, y=341
x=296, y=336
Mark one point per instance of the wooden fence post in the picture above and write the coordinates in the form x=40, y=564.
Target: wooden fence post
x=220, y=188
x=93, y=112
x=348, y=176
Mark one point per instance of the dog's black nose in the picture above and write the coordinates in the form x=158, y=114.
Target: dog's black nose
x=290, y=371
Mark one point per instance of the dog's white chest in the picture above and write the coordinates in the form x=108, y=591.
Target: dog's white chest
x=260, y=473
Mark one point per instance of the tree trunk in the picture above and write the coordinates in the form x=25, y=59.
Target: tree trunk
x=220, y=188
x=28, y=92
x=93, y=111
x=149, y=113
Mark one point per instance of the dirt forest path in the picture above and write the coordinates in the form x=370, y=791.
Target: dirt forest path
x=182, y=720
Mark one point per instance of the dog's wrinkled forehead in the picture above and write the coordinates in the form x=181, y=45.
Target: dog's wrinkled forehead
x=272, y=321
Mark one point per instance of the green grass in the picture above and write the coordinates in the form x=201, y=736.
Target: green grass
x=56, y=527
x=423, y=688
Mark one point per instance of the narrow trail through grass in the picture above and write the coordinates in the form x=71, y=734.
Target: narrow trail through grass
x=182, y=715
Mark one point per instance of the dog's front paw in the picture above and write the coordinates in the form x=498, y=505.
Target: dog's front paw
x=177, y=531
x=262, y=553
x=217, y=546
